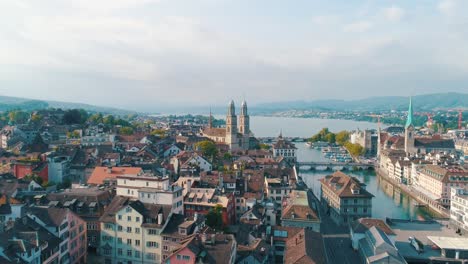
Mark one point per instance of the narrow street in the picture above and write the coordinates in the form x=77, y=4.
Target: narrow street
x=336, y=240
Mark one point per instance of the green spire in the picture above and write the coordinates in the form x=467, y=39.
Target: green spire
x=409, y=120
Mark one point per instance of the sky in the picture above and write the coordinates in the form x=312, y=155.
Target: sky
x=147, y=54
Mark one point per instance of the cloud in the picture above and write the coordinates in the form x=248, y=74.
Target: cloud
x=394, y=13
x=447, y=7
x=358, y=27
x=326, y=20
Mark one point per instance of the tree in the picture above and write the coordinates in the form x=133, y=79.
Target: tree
x=354, y=149
x=126, y=131
x=208, y=148
x=18, y=117
x=342, y=137
x=330, y=138
x=109, y=120
x=36, y=118
x=159, y=133
x=227, y=156
x=214, y=218
x=264, y=146
x=95, y=119
x=75, y=116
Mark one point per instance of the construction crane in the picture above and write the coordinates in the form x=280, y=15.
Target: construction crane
x=460, y=118
x=378, y=119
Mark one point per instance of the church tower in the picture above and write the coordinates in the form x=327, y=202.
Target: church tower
x=244, y=120
x=409, y=131
x=231, y=127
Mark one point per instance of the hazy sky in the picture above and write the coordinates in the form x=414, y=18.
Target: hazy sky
x=141, y=54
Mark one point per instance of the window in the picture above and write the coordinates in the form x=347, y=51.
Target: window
x=129, y=218
x=119, y=228
x=151, y=256
x=107, y=251
x=137, y=230
x=137, y=242
x=152, y=244
x=137, y=219
x=186, y=257
x=129, y=210
x=166, y=248
x=152, y=232
x=119, y=240
x=129, y=241
x=129, y=229
x=137, y=254
x=129, y=253
x=108, y=226
x=120, y=217
x=119, y=252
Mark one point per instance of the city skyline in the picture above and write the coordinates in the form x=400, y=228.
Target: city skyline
x=138, y=54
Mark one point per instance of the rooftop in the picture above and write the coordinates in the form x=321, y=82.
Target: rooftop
x=458, y=243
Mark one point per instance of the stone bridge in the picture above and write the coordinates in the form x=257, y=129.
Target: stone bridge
x=330, y=165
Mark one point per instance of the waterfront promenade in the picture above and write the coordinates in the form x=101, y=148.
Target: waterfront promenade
x=417, y=195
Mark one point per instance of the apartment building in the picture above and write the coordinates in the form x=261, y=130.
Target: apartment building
x=131, y=231
x=459, y=209
x=435, y=182
x=345, y=198
x=151, y=189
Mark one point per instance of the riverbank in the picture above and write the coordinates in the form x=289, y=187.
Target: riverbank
x=417, y=196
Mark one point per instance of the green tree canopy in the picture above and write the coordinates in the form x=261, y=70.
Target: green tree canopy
x=207, y=147
x=126, y=130
x=342, y=137
x=75, y=116
x=18, y=117
x=354, y=149
x=214, y=218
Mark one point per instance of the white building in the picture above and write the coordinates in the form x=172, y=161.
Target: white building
x=59, y=168
x=151, y=189
x=459, y=208
x=131, y=231
x=285, y=149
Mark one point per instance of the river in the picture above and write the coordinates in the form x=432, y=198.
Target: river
x=388, y=201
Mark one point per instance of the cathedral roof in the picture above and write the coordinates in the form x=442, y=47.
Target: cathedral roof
x=214, y=132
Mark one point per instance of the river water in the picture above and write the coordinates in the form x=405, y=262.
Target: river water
x=388, y=201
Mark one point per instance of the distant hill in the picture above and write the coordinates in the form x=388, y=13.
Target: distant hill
x=13, y=103
x=426, y=102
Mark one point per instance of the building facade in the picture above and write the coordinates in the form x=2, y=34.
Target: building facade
x=345, y=198
x=151, y=189
x=131, y=231
x=459, y=209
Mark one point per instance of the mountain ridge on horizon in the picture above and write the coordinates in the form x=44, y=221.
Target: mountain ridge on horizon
x=424, y=102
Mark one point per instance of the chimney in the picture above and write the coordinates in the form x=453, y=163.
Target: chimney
x=189, y=185
x=160, y=219
x=109, y=170
x=246, y=184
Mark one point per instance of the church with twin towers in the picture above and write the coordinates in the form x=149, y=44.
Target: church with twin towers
x=236, y=135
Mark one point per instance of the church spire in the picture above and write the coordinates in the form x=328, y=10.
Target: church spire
x=210, y=121
x=409, y=120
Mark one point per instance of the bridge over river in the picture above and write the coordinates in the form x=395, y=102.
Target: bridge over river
x=330, y=165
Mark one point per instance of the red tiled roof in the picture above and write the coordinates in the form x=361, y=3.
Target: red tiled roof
x=102, y=173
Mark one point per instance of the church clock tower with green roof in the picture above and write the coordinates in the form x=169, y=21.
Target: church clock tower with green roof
x=409, y=131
